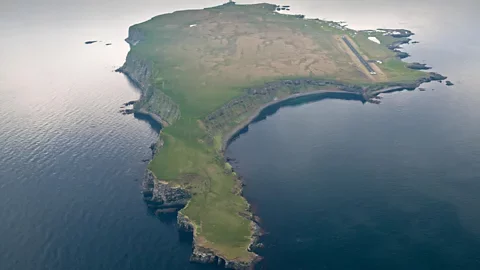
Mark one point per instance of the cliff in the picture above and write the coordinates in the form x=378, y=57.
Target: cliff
x=208, y=256
x=162, y=197
x=153, y=101
x=205, y=73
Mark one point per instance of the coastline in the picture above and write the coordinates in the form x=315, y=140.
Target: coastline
x=167, y=197
x=365, y=96
x=231, y=134
x=169, y=194
x=153, y=116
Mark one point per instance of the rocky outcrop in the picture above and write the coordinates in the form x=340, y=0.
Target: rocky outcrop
x=397, y=44
x=126, y=111
x=397, y=33
x=160, y=195
x=418, y=66
x=206, y=256
x=135, y=36
x=184, y=223
x=162, y=198
x=257, y=233
x=394, y=87
x=402, y=36
x=401, y=54
x=436, y=77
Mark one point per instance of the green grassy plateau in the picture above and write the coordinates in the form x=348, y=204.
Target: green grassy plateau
x=201, y=60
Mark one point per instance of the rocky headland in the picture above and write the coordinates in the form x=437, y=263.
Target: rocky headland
x=201, y=170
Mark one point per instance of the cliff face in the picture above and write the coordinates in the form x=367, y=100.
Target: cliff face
x=166, y=199
x=150, y=68
x=153, y=101
x=206, y=256
x=224, y=118
x=161, y=197
x=134, y=36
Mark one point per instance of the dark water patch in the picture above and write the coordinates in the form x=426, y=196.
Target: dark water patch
x=293, y=102
x=362, y=182
x=385, y=237
x=148, y=119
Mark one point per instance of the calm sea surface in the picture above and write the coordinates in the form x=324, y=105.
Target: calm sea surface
x=338, y=184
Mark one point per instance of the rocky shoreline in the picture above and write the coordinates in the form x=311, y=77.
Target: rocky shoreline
x=365, y=94
x=207, y=256
x=228, y=138
x=161, y=197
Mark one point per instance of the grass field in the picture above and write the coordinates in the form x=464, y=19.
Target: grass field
x=202, y=59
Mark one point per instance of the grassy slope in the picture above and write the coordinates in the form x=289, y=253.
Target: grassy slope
x=203, y=67
x=394, y=67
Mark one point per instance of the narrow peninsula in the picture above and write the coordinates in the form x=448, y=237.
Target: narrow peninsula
x=204, y=74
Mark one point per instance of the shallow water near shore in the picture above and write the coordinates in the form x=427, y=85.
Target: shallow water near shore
x=338, y=184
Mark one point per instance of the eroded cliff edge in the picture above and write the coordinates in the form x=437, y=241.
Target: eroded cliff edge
x=163, y=198
x=140, y=71
x=189, y=174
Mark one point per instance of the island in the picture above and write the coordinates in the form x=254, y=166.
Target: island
x=206, y=74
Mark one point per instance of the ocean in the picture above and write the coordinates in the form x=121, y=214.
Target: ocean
x=338, y=184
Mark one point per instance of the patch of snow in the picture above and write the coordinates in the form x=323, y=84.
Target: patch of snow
x=374, y=39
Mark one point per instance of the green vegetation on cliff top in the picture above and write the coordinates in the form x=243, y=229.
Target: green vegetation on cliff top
x=201, y=60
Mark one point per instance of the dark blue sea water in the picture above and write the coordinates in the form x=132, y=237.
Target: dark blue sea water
x=345, y=185
x=338, y=184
